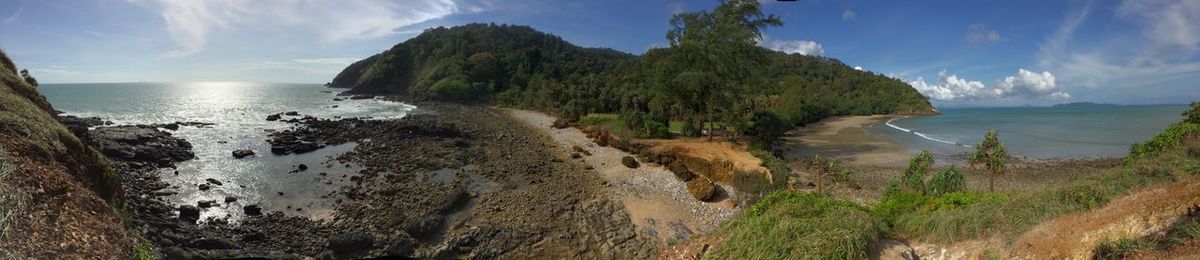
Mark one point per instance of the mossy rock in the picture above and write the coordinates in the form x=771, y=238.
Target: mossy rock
x=701, y=188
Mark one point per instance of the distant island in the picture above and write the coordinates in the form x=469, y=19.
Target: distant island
x=1084, y=104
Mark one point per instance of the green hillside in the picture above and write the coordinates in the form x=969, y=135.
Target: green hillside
x=522, y=67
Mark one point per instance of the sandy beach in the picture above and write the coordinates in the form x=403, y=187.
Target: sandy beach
x=844, y=139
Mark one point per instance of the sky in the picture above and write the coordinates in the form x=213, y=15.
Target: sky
x=958, y=53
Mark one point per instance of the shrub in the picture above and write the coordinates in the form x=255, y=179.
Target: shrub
x=949, y=180
x=768, y=126
x=913, y=178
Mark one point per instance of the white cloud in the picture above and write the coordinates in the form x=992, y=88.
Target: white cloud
x=311, y=66
x=189, y=22
x=858, y=68
x=978, y=33
x=1025, y=84
x=848, y=15
x=796, y=46
x=16, y=14
x=1166, y=48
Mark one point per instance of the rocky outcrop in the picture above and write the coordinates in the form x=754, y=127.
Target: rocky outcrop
x=140, y=144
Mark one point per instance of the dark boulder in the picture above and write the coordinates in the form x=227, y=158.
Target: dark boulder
x=230, y=199
x=629, y=161
x=402, y=246
x=203, y=187
x=189, y=213
x=274, y=117
x=204, y=204
x=302, y=167
x=351, y=242
x=291, y=113
x=252, y=210
x=242, y=153
x=214, y=181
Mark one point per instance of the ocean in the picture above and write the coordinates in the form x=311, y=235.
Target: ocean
x=239, y=110
x=1068, y=132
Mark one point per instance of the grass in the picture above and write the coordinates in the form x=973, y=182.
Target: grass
x=1120, y=248
x=790, y=224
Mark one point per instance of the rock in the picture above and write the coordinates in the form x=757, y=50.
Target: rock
x=629, y=161
x=576, y=156
x=681, y=172
x=302, y=167
x=213, y=181
x=203, y=187
x=171, y=126
x=189, y=213
x=891, y=249
x=351, y=242
x=252, y=210
x=701, y=188
x=79, y=125
x=141, y=143
x=337, y=99
x=230, y=199
x=402, y=246
x=204, y=204
x=210, y=243
x=274, y=117
x=291, y=113
x=361, y=97
x=580, y=150
x=242, y=153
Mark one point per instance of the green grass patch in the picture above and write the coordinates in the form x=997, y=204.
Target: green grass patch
x=959, y=216
x=790, y=224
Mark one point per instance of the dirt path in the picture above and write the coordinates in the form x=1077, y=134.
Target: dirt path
x=656, y=202
x=1138, y=214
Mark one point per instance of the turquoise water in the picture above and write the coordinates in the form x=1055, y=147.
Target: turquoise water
x=1034, y=132
x=239, y=110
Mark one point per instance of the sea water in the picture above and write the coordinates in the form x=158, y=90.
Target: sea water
x=239, y=110
x=1034, y=132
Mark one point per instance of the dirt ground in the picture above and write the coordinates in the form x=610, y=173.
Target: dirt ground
x=1138, y=214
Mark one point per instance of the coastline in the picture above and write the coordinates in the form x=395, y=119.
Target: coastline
x=844, y=139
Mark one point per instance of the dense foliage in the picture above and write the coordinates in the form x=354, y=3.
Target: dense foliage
x=1173, y=136
x=731, y=82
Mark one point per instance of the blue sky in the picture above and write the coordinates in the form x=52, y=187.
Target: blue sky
x=956, y=52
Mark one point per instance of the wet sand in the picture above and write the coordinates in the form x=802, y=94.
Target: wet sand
x=844, y=139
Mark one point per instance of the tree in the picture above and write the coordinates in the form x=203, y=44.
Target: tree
x=712, y=55
x=914, y=177
x=1193, y=114
x=768, y=126
x=822, y=168
x=992, y=156
x=29, y=78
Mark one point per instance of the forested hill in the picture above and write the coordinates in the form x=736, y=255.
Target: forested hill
x=519, y=66
x=473, y=61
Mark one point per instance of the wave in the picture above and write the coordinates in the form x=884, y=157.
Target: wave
x=922, y=135
x=889, y=123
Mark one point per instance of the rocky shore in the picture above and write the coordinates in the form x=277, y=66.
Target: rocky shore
x=449, y=181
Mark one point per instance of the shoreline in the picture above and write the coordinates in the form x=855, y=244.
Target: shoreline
x=450, y=181
x=844, y=139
